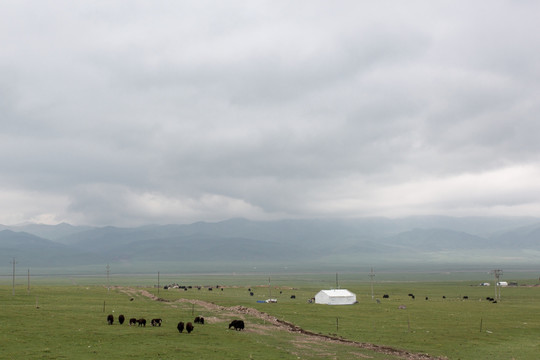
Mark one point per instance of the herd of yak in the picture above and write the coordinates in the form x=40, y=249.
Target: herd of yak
x=236, y=324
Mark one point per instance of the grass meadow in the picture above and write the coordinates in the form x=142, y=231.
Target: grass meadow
x=65, y=318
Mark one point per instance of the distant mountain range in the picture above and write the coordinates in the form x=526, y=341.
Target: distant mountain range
x=241, y=244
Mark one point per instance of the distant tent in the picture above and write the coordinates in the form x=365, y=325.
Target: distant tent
x=335, y=297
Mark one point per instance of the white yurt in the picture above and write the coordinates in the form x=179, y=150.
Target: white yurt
x=335, y=297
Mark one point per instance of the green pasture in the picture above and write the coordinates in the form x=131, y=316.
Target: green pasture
x=65, y=318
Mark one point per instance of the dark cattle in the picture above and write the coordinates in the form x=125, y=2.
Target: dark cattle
x=121, y=319
x=199, y=320
x=411, y=295
x=210, y=289
x=180, y=326
x=189, y=327
x=427, y=298
x=250, y=294
x=293, y=296
x=156, y=322
x=110, y=319
x=237, y=324
x=141, y=322
x=444, y=297
x=465, y=297
x=132, y=321
x=386, y=296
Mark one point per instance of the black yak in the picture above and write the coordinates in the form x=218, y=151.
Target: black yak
x=156, y=322
x=199, y=320
x=237, y=324
x=180, y=326
x=110, y=319
x=385, y=296
x=189, y=327
x=121, y=319
x=132, y=321
x=141, y=322
x=293, y=296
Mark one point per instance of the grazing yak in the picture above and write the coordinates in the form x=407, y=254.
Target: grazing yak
x=156, y=322
x=199, y=320
x=110, y=319
x=189, y=327
x=180, y=327
x=386, y=296
x=237, y=324
x=121, y=319
x=141, y=322
x=293, y=296
x=132, y=321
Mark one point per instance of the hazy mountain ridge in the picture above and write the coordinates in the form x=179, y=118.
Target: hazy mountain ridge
x=286, y=241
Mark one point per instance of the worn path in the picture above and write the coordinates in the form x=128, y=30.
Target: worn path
x=286, y=326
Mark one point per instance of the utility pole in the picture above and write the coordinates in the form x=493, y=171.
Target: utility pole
x=158, y=283
x=28, y=288
x=371, y=276
x=108, y=272
x=498, y=273
x=337, y=283
x=13, y=287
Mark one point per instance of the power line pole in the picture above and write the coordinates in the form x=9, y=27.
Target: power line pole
x=108, y=272
x=498, y=273
x=28, y=288
x=371, y=276
x=13, y=287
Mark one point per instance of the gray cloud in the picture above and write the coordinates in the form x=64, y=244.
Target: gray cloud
x=125, y=114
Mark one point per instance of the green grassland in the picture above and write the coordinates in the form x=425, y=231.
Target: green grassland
x=65, y=318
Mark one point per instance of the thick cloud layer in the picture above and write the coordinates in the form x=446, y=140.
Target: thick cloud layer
x=129, y=113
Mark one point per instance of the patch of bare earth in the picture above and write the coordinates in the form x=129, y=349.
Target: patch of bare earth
x=308, y=336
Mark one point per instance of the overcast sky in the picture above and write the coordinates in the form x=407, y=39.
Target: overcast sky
x=135, y=112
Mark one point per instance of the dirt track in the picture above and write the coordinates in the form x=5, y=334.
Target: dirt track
x=286, y=326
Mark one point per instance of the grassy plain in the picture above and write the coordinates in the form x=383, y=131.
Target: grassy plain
x=65, y=318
